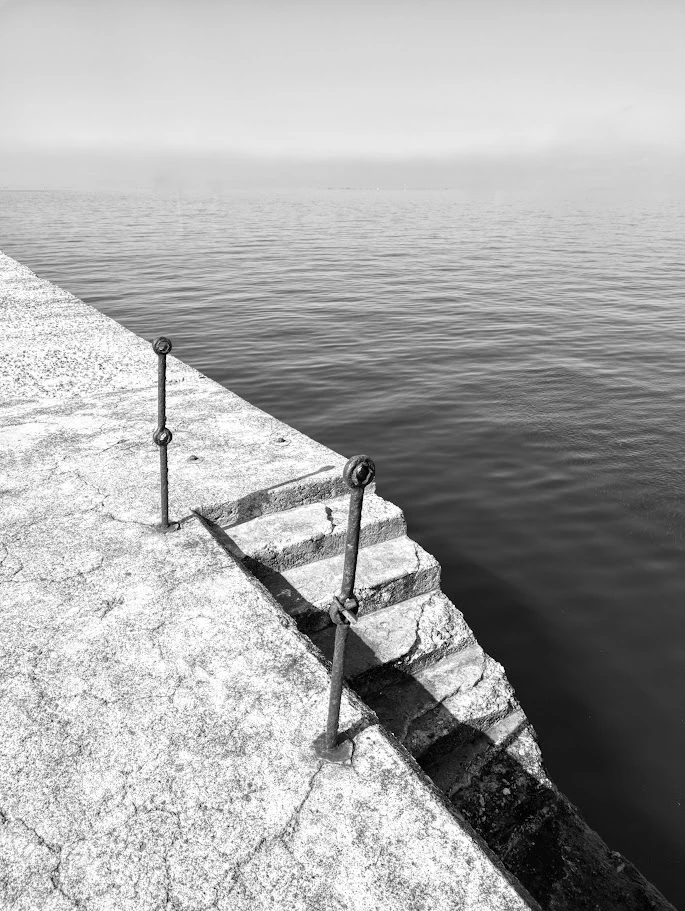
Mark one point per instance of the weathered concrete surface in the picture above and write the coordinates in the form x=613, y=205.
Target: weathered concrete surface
x=158, y=706
x=388, y=572
x=314, y=532
x=227, y=456
x=403, y=635
x=415, y=661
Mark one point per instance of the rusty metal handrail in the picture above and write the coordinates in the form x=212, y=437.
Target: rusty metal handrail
x=162, y=435
x=358, y=473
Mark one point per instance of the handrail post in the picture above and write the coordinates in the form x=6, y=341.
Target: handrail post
x=358, y=474
x=162, y=435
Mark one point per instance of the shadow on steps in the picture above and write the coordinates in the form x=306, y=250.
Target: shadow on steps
x=496, y=785
x=499, y=787
x=509, y=623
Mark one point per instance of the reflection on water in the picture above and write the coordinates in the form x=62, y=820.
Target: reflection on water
x=517, y=371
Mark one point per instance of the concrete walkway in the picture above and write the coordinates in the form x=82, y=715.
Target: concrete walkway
x=157, y=704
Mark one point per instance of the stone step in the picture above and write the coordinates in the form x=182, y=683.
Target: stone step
x=388, y=572
x=294, y=537
x=464, y=758
x=444, y=703
x=504, y=787
x=400, y=637
x=323, y=484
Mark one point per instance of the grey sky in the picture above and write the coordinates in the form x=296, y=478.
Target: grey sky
x=365, y=79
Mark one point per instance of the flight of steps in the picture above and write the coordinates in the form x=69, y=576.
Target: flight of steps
x=413, y=659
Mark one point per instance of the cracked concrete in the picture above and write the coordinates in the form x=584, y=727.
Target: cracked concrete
x=295, y=537
x=401, y=636
x=158, y=706
x=387, y=573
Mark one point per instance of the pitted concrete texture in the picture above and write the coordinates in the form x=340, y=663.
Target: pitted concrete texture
x=50, y=339
x=387, y=573
x=157, y=705
x=71, y=372
x=403, y=636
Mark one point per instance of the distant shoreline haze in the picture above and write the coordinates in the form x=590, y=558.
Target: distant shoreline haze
x=636, y=169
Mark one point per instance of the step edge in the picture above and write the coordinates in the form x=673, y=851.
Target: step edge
x=441, y=747
x=426, y=580
x=389, y=528
x=270, y=500
x=385, y=674
x=339, y=500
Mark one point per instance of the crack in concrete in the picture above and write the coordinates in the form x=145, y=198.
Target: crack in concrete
x=131, y=445
x=55, y=850
x=109, y=606
x=286, y=832
x=416, y=645
x=330, y=519
x=24, y=423
x=12, y=576
x=294, y=821
x=113, y=518
x=168, y=900
x=56, y=883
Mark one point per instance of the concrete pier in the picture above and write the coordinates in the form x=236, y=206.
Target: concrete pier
x=159, y=693
x=157, y=705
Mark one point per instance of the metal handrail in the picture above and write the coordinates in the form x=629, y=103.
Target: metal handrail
x=162, y=435
x=358, y=473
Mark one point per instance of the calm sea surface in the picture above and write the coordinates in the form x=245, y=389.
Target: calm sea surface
x=517, y=370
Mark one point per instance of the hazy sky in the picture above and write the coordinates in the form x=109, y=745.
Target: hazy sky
x=374, y=78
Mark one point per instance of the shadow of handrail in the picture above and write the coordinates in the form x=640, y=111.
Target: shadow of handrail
x=254, y=504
